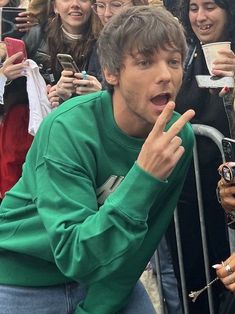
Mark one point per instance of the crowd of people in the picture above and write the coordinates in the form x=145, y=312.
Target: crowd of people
x=113, y=159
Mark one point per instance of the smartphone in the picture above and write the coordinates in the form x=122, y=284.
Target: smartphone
x=14, y=45
x=8, y=23
x=67, y=62
x=228, y=146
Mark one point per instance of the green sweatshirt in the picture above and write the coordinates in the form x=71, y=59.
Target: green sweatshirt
x=84, y=210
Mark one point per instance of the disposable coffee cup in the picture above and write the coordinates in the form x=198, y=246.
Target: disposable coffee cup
x=211, y=52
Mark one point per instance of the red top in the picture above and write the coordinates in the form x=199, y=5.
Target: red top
x=15, y=141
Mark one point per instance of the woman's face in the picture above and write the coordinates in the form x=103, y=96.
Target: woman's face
x=105, y=9
x=208, y=21
x=74, y=14
x=3, y=3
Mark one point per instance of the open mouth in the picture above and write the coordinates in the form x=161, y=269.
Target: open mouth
x=75, y=14
x=161, y=100
x=204, y=27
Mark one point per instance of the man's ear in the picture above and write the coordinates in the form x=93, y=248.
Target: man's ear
x=111, y=79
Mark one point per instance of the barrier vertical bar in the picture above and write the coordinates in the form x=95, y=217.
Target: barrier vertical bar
x=216, y=137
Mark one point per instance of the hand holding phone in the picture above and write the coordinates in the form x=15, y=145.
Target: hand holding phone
x=67, y=62
x=12, y=70
x=228, y=146
x=227, y=173
x=65, y=86
x=13, y=46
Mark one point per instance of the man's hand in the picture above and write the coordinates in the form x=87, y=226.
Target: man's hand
x=25, y=21
x=162, y=150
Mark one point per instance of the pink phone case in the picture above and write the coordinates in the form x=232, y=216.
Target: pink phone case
x=13, y=46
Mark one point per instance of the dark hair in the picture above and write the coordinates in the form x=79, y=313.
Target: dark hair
x=227, y=5
x=145, y=28
x=172, y=6
x=13, y=3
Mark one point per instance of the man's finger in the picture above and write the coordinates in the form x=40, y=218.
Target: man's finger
x=179, y=124
x=162, y=120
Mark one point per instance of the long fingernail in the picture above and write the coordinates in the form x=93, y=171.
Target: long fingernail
x=217, y=266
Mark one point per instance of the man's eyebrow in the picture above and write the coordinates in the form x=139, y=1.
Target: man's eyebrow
x=172, y=49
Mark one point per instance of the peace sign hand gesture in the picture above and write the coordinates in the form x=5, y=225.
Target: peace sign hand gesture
x=162, y=149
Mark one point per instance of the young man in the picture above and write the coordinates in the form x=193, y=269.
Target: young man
x=101, y=180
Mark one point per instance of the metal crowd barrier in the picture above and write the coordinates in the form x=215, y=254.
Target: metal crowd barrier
x=216, y=137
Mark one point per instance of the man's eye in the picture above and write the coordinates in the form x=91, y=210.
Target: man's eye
x=175, y=63
x=144, y=63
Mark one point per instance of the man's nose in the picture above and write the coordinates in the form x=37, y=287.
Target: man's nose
x=163, y=72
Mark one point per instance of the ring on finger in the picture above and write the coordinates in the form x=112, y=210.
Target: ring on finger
x=228, y=269
x=231, y=280
x=221, y=183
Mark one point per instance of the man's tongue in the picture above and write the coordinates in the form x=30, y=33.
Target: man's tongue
x=160, y=100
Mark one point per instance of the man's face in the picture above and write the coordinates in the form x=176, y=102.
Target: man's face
x=143, y=88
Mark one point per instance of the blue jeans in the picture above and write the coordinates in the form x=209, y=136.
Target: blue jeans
x=169, y=281
x=61, y=299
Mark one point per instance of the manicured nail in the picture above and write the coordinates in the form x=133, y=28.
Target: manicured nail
x=84, y=75
x=217, y=266
x=225, y=90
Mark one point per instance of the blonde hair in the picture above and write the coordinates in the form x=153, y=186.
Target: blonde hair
x=158, y=3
